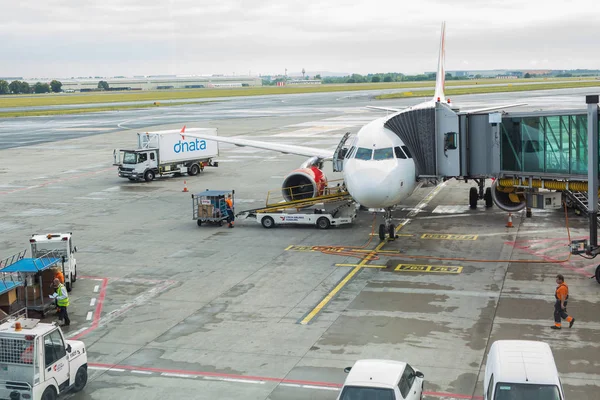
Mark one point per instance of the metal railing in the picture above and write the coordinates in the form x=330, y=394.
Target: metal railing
x=331, y=190
x=12, y=259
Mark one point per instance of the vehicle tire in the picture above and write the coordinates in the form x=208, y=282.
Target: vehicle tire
x=220, y=222
x=69, y=286
x=80, y=379
x=323, y=223
x=194, y=170
x=199, y=222
x=267, y=222
x=473, y=197
x=74, y=275
x=149, y=176
x=598, y=274
x=49, y=393
x=382, y=232
x=392, y=232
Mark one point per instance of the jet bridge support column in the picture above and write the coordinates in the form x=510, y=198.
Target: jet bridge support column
x=592, y=111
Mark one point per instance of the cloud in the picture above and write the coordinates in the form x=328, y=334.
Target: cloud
x=63, y=38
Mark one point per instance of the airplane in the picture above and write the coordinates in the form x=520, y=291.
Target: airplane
x=378, y=168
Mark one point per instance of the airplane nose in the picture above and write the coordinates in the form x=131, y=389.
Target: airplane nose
x=370, y=189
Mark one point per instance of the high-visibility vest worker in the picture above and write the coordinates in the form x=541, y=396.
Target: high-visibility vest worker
x=63, y=296
x=560, y=306
x=230, y=215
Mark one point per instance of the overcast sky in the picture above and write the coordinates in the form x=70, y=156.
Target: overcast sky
x=64, y=38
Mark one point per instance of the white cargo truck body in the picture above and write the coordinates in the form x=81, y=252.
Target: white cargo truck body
x=60, y=245
x=167, y=153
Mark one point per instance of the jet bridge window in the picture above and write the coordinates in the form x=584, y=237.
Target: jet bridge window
x=363, y=153
x=399, y=153
x=383, y=154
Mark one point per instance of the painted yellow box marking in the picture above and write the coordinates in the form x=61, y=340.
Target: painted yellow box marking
x=448, y=236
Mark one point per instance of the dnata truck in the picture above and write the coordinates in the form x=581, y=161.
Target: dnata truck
x=57, y=245
x=38, y=363
x=167, y=152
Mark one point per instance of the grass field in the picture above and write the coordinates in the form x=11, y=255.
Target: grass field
x=157, y=96
x=491, y=89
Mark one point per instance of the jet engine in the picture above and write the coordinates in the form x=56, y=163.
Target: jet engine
x=304, y=183
x=508, y=198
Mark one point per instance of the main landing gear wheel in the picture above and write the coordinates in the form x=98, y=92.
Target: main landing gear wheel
x=392, y=232
x=382, y=232
x=489, y=202
x=473, y=197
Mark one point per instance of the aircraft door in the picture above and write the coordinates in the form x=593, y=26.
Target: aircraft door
x=340, y=154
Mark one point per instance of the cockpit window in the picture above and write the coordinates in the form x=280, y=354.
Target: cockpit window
x=399, y=153
x=406, y=151
x=383, y=154
x=363, y=154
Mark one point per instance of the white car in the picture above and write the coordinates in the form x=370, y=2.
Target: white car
x=382, y=380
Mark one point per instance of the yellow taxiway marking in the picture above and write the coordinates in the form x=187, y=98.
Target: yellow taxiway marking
x=428, y=268
x=364, y=266
x=444, y=236
x=338, y=249
x=340, y=285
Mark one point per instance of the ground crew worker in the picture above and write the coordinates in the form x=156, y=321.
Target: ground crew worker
x=62, y=298
x=57, y=275
x=560, y=306
x=231, y=217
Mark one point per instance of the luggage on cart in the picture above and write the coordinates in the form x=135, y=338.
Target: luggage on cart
x=210, y=206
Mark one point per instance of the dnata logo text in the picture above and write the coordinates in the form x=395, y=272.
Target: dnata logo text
x=182, y=147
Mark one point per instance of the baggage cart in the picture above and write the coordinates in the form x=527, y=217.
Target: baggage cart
x=210, y=206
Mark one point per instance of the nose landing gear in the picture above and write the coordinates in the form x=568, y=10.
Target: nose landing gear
x=388, y=226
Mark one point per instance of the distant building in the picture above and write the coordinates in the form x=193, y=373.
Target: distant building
x=161, y=83
x=507, y=77
x=304, y=82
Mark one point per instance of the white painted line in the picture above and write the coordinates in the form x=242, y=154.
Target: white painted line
x=242, y=381
x=98, y=368
x=141, y=372
x=93, y=302
x=320, y=387
x=89, y=316
x=96, y=288
x=72, y=334
x=178, y=375
x=117, y=369
x=291, y=385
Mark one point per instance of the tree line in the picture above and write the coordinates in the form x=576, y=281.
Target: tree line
x=20, y=87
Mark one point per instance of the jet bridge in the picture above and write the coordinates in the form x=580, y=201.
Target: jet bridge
x=537, y=158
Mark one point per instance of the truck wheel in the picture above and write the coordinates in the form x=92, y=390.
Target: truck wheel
x=323, y=223
x=199, y=222
x=598, y=273
x=49, y=393
x=75, y=274
x=194, y=169
x=80, y=379
x=149, y=176
x=69, y=286
x=267, y=222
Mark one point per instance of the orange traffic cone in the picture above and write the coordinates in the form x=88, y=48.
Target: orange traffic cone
x=509, y=224
x=185, y=189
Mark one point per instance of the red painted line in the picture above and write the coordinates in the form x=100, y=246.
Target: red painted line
x=564, y=264
x=97, y=313
x=259, y=378
x=56, y=181
x=547, y=249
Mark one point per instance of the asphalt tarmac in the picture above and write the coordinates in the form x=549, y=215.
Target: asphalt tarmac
x=168, y=309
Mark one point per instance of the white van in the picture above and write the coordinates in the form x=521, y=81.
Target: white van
x=521, y=370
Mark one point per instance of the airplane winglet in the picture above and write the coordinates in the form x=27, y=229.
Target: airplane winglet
x=440, y=79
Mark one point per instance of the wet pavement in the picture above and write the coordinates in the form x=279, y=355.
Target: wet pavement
x=168, y=309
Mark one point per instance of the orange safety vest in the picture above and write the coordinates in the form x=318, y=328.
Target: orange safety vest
x=229, y=203
x=562, y=291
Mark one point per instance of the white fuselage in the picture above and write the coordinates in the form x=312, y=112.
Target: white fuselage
x=378, y=170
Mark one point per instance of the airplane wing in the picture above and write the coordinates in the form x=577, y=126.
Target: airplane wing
x=279, y=147
x=478, y=110
x=385, y=109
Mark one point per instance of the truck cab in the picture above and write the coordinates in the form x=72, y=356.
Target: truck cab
x=37, y=362
x=137, y=164
x=60, y=245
